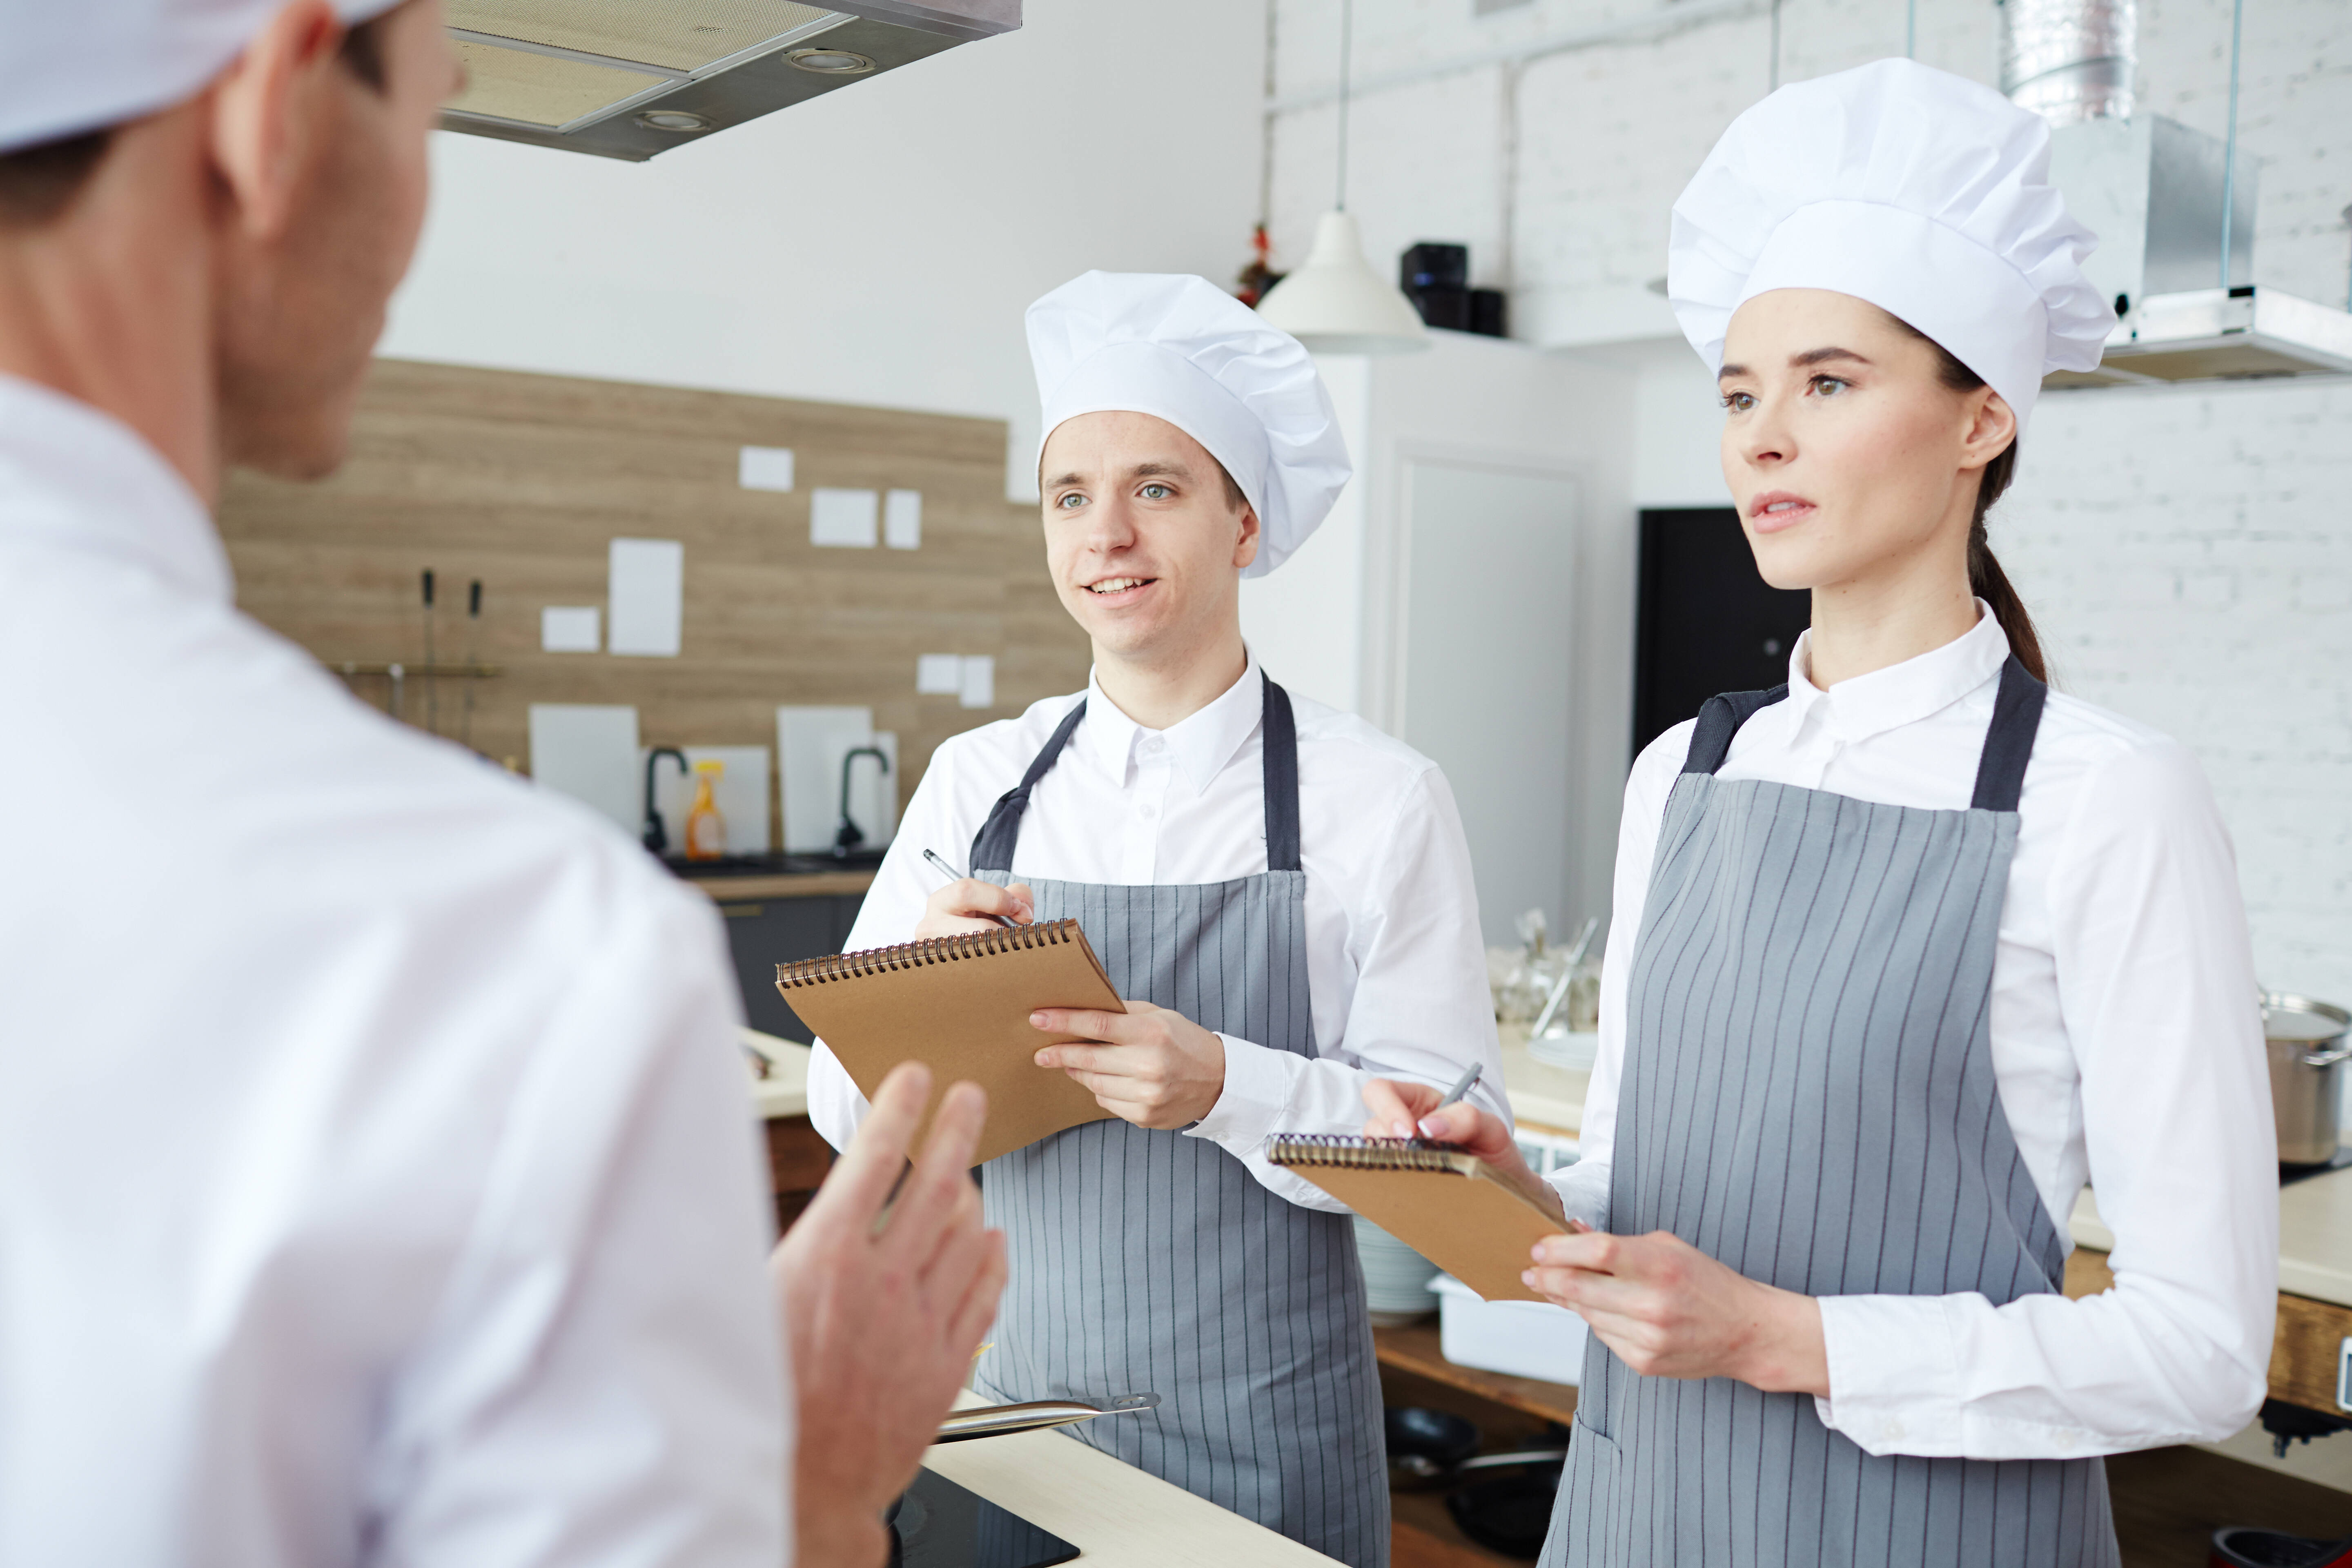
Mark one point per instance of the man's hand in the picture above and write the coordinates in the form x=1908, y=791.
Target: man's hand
x=1399, y=1108
x=1670, y=1310
x=966, y=906
x=1152, y=1067
x=883, y=1305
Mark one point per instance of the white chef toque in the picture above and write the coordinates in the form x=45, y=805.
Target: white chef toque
x=71, y=65
x=1178, y=348
x=1925, y=194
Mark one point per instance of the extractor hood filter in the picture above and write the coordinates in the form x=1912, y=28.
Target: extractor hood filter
x=628, y=78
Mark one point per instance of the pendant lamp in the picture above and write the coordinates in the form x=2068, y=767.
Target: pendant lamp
x=1336, y=304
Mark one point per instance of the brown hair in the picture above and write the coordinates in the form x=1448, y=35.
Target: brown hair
x=1987, y=580
x=37, y=183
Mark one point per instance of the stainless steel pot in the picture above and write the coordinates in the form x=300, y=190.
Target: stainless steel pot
x=2308, y=1049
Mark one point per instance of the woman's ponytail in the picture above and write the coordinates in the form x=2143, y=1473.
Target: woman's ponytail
x=1987, y=580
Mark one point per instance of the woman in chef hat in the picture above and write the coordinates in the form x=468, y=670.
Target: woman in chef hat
x=1908, y=951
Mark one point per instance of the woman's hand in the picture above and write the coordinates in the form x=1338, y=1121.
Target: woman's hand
x=966, y=906
x=1151, y=1067
x=1401, y=1108
x=1670, y=1310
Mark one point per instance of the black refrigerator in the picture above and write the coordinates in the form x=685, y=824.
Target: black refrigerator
x=1706, y=622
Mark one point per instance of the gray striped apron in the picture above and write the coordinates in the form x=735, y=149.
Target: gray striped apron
x=1148, y=1261
x=1808, y=1096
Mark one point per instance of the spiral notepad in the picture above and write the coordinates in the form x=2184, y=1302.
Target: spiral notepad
x=1453, y=1208
x=961, y=1005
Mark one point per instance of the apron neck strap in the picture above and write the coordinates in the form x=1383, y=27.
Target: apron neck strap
x=992, y=848
x=1719, y=720
x=1280, y=744
x=2008, y=744
x=2000, y=769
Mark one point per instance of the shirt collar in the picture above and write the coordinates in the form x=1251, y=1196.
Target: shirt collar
x=1200, y=744
x=73, y=475
x=1902, y=693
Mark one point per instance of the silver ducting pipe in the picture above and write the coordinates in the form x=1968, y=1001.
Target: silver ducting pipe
x=2069, y=60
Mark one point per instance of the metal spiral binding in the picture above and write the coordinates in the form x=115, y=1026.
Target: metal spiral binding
x=930, y=949
x=1363, y=1154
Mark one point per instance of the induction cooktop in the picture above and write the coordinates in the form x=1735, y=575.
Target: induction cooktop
x=936, y=1523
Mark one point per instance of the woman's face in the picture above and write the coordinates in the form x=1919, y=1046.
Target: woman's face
x=1848, y=456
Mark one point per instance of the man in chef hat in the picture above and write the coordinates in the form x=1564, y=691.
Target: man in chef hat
x=1282, y=892
x=376, y=1179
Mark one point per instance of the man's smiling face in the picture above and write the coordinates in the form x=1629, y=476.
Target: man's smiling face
x=1143, y=535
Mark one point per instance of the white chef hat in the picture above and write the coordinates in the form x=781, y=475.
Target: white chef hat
x=1182, y=349
x=1925, y=194
x=71, y=65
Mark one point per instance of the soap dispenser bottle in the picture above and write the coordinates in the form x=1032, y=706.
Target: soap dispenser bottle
x=706, y=829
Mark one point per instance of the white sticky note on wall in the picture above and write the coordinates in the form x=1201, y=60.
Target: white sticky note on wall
x=939, y=674
x=902, y=519
x=765, y=468
x=846, y=518
x=569, y=628
x=979, y=681
x=646, y=595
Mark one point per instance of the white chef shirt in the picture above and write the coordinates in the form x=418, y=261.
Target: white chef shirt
x=377, y=1176
x=2127, y=1048
x=1394, y=963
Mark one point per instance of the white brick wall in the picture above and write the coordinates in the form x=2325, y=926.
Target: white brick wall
x=2188, y=555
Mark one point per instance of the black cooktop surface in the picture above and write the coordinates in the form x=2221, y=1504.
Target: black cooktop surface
x=938, y=1525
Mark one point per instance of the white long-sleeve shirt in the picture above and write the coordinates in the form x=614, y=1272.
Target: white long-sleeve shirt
x=378, y=1184
x=1395, y=966
x=2127, y=1047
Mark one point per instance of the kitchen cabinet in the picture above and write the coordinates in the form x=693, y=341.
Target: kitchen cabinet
x=771, y=928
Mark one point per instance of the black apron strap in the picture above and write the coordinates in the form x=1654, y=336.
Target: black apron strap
x=992, y=846
x=2009, y=744
x=1719, y=720
x=1279, y=743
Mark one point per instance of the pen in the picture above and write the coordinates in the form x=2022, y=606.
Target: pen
x=952, y=875
x=1460, y=1086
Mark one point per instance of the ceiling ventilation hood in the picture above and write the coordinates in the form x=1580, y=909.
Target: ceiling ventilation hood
x=629, y=79
x=2155, y=191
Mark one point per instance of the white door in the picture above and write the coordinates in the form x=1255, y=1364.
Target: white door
x=1485, y=612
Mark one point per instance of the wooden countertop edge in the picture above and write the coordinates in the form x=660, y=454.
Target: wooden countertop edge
x=783, y=885
x=1117, y=1516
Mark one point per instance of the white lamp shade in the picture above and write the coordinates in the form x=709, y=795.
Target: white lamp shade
x=1337, y=304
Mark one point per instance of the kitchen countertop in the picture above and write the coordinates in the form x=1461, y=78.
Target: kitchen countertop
x=784, y=1091
x=2315, y=1236
x=1117, y=1516
x=781, y=884
x=1547, y=1098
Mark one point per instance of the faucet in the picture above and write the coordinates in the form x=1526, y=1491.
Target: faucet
x=848, y=836
x=656, y=836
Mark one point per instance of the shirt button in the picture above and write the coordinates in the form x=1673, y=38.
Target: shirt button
x=1152, y=745
x=1147, y=810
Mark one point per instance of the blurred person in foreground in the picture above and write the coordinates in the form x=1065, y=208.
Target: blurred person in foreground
x=377, y=1182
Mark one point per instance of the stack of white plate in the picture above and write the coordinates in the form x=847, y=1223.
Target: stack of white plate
x=1576, y=1052
x=1396, y=1278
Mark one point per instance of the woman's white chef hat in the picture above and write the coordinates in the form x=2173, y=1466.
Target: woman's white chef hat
x=1182, y=349
x=71, y=65
x=1927, y=194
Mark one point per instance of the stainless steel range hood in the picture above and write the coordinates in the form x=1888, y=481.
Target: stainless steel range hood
x=2152, y=190
x=629, y=79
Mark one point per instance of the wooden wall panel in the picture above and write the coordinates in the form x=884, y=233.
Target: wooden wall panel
x=522, y=480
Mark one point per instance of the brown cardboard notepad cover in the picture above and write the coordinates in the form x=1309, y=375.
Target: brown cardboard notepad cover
x=1451, y=1207
x=961, y=1005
